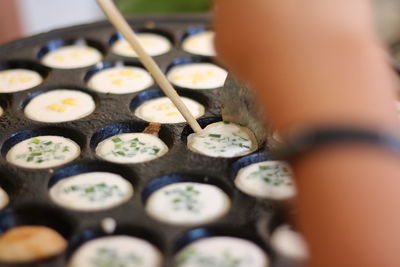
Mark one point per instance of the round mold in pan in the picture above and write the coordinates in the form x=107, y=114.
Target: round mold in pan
x=192, y=60
x=59, y=43
x=222, y=231
x=157, y=93
x=20, y=136
x=95, y=166
x=158, y=31
x=129, y=127
x=175, y=178
x=109, y=65
x=203, y=123
x=25, y=101
x=252, y=159
x=152, y=236
x=42, y=70
x=190, y=32
x=37, y=214
x=160, y=182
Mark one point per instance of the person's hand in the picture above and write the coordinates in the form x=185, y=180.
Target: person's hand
x=308, y=61
x=253, y=32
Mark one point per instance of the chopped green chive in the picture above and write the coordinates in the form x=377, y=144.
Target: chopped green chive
x=133, y=147
x=116, y=140
x=35, y=141
x=89, y=190
x=215, y=135
x=95, y=192
x=185, y=198
x=39, y=151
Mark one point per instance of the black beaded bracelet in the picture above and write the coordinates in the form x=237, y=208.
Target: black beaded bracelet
x=302, y=142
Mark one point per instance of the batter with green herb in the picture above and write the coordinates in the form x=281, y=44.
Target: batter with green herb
x=43, y=152
x=116, y=251
x=131, y=148
x=91, y=191
x=267, y=179
x=223, y=139
x=222, y=251
x=188, y=203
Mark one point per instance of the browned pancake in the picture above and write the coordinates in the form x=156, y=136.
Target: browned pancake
x=30, y=243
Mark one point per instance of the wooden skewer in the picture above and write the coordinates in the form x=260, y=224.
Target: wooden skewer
x=123, y=27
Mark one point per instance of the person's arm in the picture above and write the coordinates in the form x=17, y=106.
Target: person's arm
x=318, y=62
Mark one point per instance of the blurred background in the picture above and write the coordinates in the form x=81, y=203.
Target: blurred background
x=19, y=18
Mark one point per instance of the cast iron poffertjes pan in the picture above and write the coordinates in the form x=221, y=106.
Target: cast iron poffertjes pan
x=28, y=189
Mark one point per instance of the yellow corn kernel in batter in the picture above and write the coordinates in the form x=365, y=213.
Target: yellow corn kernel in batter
x=177, y=77
x=25, y=79
x=210, y=73
x=198, y=77
x=117, y=82
x=12, y=81
x=172, y=114
x=70, y=101
x=126, y=72
x=56, y=107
